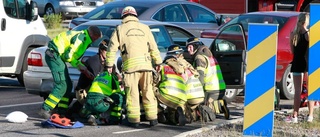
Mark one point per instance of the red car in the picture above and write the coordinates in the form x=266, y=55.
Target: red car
x=231, y=55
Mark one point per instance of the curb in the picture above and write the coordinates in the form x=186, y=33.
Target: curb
x=206, y=128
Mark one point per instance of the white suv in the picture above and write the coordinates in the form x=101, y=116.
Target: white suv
x=21, y=31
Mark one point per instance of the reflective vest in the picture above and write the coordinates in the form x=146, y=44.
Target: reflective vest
x=213, y=79
x=71, y=45
x=194, y=87
x=105, y=84
x=172, y=84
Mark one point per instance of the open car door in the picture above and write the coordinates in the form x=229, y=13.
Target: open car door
x=229, y=48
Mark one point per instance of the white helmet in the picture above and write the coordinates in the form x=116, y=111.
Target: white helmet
x=129, y=10
x=17, y=117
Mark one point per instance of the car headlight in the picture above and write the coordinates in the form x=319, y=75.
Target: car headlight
x=66, y=3
x=99, y=3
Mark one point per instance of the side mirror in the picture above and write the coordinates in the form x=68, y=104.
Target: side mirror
x=32, y=11
x=220, y=20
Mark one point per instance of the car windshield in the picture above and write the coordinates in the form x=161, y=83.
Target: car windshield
x=245, y=19
x=110, y=11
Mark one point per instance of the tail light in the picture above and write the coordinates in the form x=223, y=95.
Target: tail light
x=35, y=59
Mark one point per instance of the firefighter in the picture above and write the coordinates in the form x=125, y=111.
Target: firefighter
x=171, y=90
x=139, y=54
x=104, y=94
x=210, y=75
x=68, y=46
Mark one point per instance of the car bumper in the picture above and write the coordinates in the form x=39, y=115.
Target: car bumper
x=40, y=83
x=75, y=11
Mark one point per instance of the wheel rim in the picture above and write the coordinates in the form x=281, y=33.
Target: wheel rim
x=289, y=81
x=49, y=11
x=230, y=93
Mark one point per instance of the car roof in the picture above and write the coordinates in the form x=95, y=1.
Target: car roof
x=274, y=13
x=115, y=22
x=147, y=3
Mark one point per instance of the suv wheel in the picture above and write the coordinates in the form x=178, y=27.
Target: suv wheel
x=286, y=84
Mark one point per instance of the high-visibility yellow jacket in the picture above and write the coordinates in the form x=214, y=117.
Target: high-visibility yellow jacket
x=137, y=46
x=71, y=45
x=213, y=79
x=194, y=88
x=172, y=84
x=105, y=84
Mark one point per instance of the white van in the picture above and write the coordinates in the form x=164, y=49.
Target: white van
x=21, y=30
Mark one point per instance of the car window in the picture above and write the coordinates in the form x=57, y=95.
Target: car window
x=245, y=20
x=228, y=41
x=105, y=30
x=110, y=11
x=171, y=13
x=178, y=36
x=13, y=11
x=161, y=37
x=199, y=14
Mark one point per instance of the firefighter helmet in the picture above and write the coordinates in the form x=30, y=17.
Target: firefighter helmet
x=195, y=42
x=174, y=49
x=104, y=44
x=129, y=10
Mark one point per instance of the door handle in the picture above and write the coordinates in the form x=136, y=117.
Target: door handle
x=3, y=24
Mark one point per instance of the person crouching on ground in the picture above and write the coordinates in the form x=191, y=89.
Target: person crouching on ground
x=103, y=95
x=210, y=74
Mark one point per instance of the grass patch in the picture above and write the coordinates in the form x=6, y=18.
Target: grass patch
x=54, y=32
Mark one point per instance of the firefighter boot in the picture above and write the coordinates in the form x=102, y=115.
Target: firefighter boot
x=224, y=108
x=92, y=120
x=182, y=117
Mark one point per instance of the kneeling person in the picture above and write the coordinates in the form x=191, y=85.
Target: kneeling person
x=104, y=94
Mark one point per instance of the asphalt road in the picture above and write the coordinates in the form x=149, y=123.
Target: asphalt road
x=15, y=98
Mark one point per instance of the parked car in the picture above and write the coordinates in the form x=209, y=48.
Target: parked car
x=38, y=78
x=68, y=8
x=190, y=15
x=235, y=76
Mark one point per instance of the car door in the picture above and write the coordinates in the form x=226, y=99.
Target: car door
x=229, y=48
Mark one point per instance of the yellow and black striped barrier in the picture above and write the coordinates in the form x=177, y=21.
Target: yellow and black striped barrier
x=314, y=56
x=260, y=83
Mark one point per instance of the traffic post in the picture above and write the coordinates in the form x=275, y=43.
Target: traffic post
x=260, y=82
x=314, y=48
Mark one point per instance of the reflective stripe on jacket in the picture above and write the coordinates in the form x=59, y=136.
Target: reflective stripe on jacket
x=137, y=46
x=213, y=79
x=194, y=87
x=105, y=84
x=71, y=45
x=172, y=84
